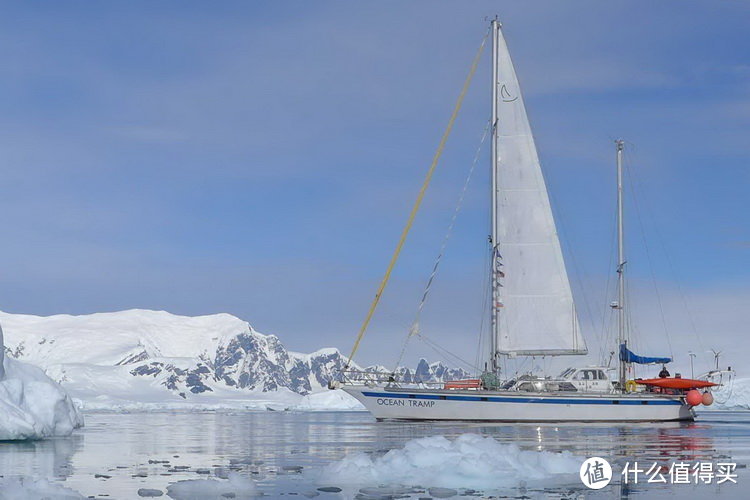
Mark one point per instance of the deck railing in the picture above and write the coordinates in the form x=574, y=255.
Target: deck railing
x=366, y=377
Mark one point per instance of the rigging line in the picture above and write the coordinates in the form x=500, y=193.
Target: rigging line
x=648, y=256
x=676, y=279
x=688, y=310
x=415, y=324
x=418, y=202
x=568, y=238
x=439, y=353
x=485, y=305
x=445, y=351
x=684, y=301
x=445, y=354
x=604, y=334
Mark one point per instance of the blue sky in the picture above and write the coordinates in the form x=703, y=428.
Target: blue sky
x=260, y=159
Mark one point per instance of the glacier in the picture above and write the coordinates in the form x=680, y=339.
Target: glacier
x=154, y=360
x=32, y=406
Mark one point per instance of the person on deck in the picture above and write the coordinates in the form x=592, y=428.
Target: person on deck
x=664, y=373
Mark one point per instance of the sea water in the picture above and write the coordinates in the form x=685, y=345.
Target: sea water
x=287, y=453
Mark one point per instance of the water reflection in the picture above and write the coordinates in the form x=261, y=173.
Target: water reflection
x=262, y=443
x=49, y=458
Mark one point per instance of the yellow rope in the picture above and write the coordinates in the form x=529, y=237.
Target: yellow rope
x=418, y=201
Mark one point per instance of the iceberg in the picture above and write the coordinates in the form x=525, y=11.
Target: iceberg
x=469, y=461
x=32, y=405
x=733, y=395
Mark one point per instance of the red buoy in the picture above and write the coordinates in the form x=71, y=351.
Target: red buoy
x=708, y=398
x=694, y=397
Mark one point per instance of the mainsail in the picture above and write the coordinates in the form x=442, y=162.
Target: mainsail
x=533, y=310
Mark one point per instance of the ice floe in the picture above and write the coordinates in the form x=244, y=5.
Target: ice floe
x=469, y=461
x=235, y=486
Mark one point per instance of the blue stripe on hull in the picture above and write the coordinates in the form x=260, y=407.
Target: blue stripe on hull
x=495, y=399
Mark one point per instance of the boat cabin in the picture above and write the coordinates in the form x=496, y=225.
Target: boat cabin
x=588, y=379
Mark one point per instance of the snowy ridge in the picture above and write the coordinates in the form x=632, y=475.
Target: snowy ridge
x=142, y=359
x=115, y=338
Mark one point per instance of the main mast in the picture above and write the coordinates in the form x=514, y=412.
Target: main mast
x=621, y=336
x=493, y=201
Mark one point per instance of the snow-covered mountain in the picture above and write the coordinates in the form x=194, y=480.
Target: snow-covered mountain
x=137, y=354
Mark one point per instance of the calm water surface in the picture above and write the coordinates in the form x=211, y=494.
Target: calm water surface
x=261, y=444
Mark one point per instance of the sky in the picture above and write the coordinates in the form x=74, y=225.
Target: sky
x=260, y=159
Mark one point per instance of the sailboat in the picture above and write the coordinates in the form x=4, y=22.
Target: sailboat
x=532, y=308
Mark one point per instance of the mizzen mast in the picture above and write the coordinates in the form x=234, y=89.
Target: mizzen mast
x=621, y=335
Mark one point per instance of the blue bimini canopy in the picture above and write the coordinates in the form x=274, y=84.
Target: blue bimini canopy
x=629, y=356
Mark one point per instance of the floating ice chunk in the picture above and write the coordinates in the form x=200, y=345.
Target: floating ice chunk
x=442, y=492
x=388, y=491
x=32, y=405
x=149, y=492
x=328, y=400
x=292, y=468
x=469, y=461
x=196, y=489
x=330, y=489
x=24, y=488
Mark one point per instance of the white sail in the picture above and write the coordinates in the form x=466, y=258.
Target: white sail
x=533, y=310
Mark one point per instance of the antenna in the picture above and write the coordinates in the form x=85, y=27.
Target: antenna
x=692, y=372
x=716, y=357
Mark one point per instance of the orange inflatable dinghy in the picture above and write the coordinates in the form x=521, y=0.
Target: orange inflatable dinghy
x=676, y=383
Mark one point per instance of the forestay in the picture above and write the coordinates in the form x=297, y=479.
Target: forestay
x=533, y=310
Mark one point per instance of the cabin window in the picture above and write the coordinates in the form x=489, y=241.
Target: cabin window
x=568, y=372
x=601, y=375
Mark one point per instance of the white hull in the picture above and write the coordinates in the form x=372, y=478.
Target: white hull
x=512, y=406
